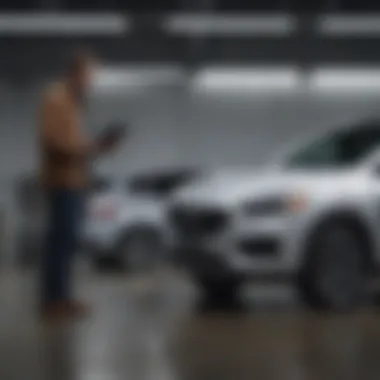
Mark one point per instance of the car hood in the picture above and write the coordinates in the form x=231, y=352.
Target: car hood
x=228, y=187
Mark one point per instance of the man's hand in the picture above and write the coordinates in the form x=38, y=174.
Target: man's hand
x=108, y=144
x=111, y=137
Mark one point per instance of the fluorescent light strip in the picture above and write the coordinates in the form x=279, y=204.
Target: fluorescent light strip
x=261, y=80
x=343, y=25
x=63, y=24
x=203, y=24
x=221, y=80
x=138, y=76
x=345, y=80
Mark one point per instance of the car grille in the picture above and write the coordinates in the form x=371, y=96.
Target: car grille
x=198, y=223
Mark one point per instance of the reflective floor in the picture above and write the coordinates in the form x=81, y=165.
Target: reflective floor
x=150, y=329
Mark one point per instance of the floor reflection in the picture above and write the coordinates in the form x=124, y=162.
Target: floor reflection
x=281, y=346
x=150, y=330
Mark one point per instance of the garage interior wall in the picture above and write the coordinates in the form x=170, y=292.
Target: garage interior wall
x=169, y=128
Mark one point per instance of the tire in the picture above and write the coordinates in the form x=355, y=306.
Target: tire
x=103, y=264
x=140, y=250
x=335, y=273
x=220, y=291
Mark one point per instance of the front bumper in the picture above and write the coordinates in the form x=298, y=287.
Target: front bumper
x=270, y=247
x=101, y=239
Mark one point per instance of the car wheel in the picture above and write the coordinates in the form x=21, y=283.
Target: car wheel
x=336, y=272
x=219, y=292
x=103, y=263
x=140, y=250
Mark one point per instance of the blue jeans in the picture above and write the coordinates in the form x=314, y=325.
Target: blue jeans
x=65, y=208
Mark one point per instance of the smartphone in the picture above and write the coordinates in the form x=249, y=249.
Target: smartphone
x=114, y=131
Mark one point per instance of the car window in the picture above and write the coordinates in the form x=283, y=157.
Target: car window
x=338, y=149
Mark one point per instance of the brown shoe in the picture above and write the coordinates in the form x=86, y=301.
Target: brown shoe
x=77, y=309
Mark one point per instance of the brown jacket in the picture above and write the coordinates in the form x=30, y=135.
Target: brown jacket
x=63, y=144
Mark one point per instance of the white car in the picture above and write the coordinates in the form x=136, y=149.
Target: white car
x=313, y=215
x=124, y=224
x=31, y=224
x=127, y=224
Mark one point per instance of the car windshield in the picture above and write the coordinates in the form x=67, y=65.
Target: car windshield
x=338, y=149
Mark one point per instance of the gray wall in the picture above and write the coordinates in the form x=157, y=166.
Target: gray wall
x=170, y=127
x=173, y=128
x=213, y=131
x=253, y=129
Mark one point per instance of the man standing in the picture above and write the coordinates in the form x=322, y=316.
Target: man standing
x=66, y=152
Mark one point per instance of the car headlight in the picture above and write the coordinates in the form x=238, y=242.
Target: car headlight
x=276, y=205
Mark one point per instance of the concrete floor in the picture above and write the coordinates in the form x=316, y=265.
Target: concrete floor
x=149, y=329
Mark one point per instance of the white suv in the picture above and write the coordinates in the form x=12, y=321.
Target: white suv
x=127, y=224
x=124, y=223
x=314, y=214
